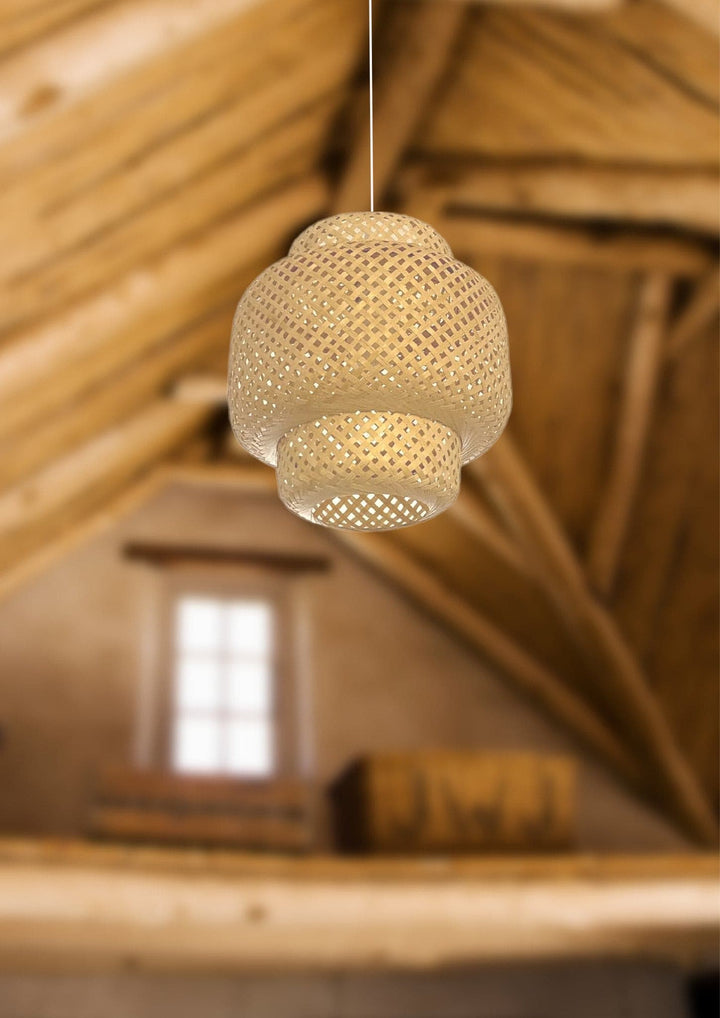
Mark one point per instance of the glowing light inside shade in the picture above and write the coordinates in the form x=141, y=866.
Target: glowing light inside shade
x=367, y=366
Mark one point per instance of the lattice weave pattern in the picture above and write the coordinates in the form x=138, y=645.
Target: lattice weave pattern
x=370, y=332
x=369, y=471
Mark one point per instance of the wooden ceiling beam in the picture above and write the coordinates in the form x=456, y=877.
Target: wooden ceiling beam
x=112, y=458
x=401, y=95
x=75, y=62
x=473, y=237
x=478, y=521
x=189, y=150
x=700, y=312
x=201, y=388
x=49, y=366
x=124, y=393
x=51, y=915
x=66, y=253
x=81, y=907
x=538, y=84
x=703, y=12
x=509, y=483
x=683, y=197
x=644, y=363
x=572, y=6
x=22, y=24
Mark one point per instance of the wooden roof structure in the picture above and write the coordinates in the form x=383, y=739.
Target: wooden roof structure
x=155, y=155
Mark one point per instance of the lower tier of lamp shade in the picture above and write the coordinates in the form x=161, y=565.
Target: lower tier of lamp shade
x=369, y=470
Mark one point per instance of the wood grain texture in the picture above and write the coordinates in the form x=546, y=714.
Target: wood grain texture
x=145, y=177
x=424, y=47
x=644, y=360
x=687, y=198
x=235, y=912
x=667, y=597
x=509, y=482
x=542, y=84
x=144, y=306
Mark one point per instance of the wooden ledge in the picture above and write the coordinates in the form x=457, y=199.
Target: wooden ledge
x=183, y=554
x=71, y=906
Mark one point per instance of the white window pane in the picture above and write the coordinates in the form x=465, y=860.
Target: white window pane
x=249, y=628
x=197, y=745
x=199, y=624
x=249, y=686
x=198, y=684
x=249, y=748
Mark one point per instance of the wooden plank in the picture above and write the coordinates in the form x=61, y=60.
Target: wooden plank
x=688, y=198
x=666, y=599
x=538, y=84
x=644, y=361
x=169, y=554
x=210, y=389
x=136, y=219
x=186, y=152
x=620, y=251
x=532, y=678
x=702, y=12
x=123, y=784
x=568, y=326
x=593, y=869
x=125, y=393
x=104, y=464
x=163, y=826
x=81, y=907
x=107, y=43
x=477, y=520
x=700, y=311
x=23, y=24
x=50, y=365
x=677, y=44
x=620, y=679
x=421, y=53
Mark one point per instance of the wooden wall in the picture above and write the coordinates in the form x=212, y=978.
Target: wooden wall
x=383, y=675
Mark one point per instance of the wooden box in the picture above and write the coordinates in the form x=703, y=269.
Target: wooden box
x=443, y=801
x=154, y=806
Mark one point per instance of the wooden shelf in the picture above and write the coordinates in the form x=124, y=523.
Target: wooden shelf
x=74, y=905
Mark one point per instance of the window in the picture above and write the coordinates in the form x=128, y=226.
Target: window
x=223, y=686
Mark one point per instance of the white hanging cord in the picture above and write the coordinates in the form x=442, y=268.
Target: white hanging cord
x=372, y=139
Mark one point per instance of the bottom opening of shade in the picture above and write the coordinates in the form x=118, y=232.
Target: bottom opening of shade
x=369, y=512
x=369, y=470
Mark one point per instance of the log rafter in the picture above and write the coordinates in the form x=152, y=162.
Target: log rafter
x=509, y=483
x=645, y=357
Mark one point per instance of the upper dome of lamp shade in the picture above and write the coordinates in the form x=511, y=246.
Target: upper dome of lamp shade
x=368, y=366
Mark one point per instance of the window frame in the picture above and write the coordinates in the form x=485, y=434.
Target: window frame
x=218, y=582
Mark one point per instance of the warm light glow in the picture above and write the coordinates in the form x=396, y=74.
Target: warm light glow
x=367, y=366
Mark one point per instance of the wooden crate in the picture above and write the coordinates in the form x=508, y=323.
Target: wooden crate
x=456, y=802
x=155, y=806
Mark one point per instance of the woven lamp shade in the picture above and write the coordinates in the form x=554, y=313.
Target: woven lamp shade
x=367, y=366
